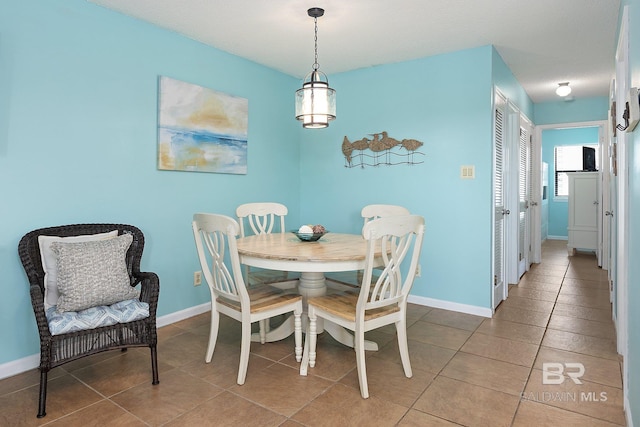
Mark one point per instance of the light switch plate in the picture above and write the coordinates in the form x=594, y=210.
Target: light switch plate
x=467, y=172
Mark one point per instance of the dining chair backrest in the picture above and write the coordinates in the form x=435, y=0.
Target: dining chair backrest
x=400, y=241
x=371, y=212
x=261, y=218
x=215, y=237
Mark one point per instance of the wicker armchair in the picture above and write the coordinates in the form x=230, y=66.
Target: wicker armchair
x=56, y=350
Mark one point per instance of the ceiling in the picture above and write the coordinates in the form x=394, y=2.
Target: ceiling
x=544, y=42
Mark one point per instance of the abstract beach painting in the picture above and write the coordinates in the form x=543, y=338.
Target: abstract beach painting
x=200, y=129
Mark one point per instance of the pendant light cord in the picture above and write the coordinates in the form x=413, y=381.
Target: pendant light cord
x=315, y=40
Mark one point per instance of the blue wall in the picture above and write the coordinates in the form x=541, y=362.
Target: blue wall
x=422, y=100
x=559, y=207
x=78, y=117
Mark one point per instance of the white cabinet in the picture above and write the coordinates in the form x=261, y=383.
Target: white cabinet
x=583, y=211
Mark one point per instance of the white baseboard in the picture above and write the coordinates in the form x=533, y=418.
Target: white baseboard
x=453, y=306
x=19, y=366
x=558, y=238
x=627, y=410
x=182, y=314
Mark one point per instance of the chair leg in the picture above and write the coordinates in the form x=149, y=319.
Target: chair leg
x=263, y=330
x=154, y=365
x=297, y=331
x=245, y=348
x=42, y=404
x=213, y=333
x=313, y=336
x=358, y=341
x=401, y=329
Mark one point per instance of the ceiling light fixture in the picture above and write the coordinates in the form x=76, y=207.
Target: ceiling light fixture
x=315, y=101
x=563, y=89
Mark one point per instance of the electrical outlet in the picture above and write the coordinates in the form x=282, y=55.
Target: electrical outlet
x=418, y=271
x=197, y=278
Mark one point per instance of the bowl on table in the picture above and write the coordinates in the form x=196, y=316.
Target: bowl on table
x=309, y=237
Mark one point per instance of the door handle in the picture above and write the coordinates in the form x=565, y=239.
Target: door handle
x=608, y=213
x=534, y=203
x=506, y=211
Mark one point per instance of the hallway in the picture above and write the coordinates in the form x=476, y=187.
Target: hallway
x=467, y=370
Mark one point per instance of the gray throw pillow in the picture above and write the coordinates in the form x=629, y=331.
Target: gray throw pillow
x=93, y=273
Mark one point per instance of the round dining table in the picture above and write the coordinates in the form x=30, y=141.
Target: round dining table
x=333, y=252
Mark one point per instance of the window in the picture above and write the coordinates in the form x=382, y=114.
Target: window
x=569, y=158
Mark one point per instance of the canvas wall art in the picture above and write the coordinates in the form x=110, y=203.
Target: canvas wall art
x=200, y=129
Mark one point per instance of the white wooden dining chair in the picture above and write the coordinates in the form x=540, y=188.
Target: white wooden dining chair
x=368, y=213
x=264, y=218
x=371, y=212
x=215, y=237
x=379, y=302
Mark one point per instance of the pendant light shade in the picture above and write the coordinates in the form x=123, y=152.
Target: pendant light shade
x=315, y=100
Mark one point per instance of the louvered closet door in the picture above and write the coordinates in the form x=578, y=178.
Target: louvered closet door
x=524, y=191
x=499, y=201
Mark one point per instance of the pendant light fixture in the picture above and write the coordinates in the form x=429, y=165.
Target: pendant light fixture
x=563, y=89
x=315, y=100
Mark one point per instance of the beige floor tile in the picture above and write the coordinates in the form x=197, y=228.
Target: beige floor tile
x=588, y=313
x=532, y=293
x=228, y=410
x=512, y=330
x=596, y=369
x=528, y=317
x=176, y=394
x=586, y=301
x=281, y=389
x=333, y=360
x=488, y=373
x=388, y=382
x=423, y=356
x=538, y=286
x=554, y=280
x=590, y=283
x=467, y=404
x=453, y=319
x=586, y=274
x=582, y=326
x=538, y=414
x=65, y=395
x=562, y=267
x=343, y=406
x=584, y=344
x=602, y=293
x=120, y=373
x=443, y=336
x=223, y=369
x=415, y=418
x=595, y=400
x=104, y=413
x=183, y=348
x=506, y=350
x=520, y=303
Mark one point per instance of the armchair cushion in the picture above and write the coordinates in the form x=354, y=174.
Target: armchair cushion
x=93, y=273
x=49, y=261
x=96, y=317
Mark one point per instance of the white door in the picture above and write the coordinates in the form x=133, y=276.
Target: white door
x=499, y=128
x=524, y=197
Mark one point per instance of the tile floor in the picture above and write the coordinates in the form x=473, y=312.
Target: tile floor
x=467, y=370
